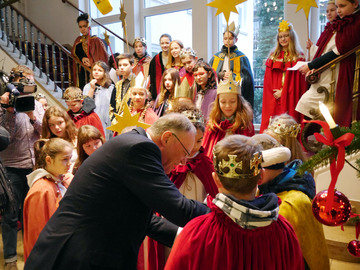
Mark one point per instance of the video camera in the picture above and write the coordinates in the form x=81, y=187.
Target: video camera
x=22, y=103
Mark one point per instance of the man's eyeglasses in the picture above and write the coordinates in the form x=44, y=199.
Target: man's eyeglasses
x=176, y=137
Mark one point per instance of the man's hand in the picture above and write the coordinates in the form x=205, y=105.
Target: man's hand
x=5, y=98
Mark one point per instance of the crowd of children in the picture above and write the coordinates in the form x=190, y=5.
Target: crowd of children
x=240, y=174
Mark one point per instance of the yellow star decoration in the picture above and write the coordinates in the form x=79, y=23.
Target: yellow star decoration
x=123, y=14
x=106, y=37
x=284, y=26
x=225, y=6
x=305, y=5
x=127, y=120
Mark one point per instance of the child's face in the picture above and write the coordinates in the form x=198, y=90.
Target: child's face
x=175, y=50
x=168, y=83
x=57, y=126
x=189, y=63
x=139, y=49
x=164, y=44
x=201, y=77
x=228, y=104
x=60, y=164
x=345, y=8
x=284, y=39
x=198, y=141
x=331, y=12
x=124, y=67
x=90, y=146
x=44, y=103
x=138, y=97
x=98, y=73
x=84, y=27
x=74, y=105
x=229, y=40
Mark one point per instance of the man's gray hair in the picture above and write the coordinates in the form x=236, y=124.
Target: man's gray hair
x=174, y=122
x=265, y=141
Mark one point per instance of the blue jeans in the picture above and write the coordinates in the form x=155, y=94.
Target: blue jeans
x=20, y=187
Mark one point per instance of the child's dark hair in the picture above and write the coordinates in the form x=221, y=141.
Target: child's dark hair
x=211, y=83
x=111, y=60
x=128, y=56
x=165, y=35
x=83, y=17
x=48, y=147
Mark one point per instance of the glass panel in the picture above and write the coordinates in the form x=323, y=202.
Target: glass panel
x=154, y=3
x=117, y=45
x=95, y=13
x=322, y=14
x=177, y=24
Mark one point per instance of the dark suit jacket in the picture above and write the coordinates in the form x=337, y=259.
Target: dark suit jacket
x=104, y=215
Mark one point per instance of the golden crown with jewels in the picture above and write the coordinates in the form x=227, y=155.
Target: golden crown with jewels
x=229, y=86
x=285, y=130
x=234, y=169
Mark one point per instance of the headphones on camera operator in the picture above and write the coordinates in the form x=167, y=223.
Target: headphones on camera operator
x=20, y=89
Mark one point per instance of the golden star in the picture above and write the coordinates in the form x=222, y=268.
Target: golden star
x=284, y=26
x=127, y=120
x=123, y=14
x=106, y=37
x=225, y=6
x=305, y=5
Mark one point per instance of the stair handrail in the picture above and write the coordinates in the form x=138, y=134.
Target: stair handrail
x=314, y=77
x=100, y=24
x=68, y=53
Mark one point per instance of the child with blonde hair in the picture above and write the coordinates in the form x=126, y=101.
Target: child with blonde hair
x=48, y=184
x=231, y=114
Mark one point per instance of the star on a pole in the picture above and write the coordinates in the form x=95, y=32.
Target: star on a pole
x=305, y=5
x=106, y=37
x=225, y=6
x=123, y=14
x=127, y=120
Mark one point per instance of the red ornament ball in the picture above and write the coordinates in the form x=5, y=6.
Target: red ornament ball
x=339, y=212
x=354, y=248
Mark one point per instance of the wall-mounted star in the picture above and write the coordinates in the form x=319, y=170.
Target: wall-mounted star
x=305, y=5
x=225, y=6
x=127, y=120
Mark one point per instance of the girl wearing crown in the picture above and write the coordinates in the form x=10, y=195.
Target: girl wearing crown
x=283, y=88
x=338, y=38
x=140, y=103
x=231, y=114
x=87, y=49
x=169, y=79
x=142, y=58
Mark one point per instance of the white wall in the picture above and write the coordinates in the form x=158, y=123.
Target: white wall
x=54, y=17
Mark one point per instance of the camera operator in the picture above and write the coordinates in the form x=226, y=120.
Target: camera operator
x=18, y=159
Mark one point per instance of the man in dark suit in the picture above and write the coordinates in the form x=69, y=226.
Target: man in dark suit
x=107, y=210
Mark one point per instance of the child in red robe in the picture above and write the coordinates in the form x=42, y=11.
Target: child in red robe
x=242, y=231
x=82, y=113
x=231, y=114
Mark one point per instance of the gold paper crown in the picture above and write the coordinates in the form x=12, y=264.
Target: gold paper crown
x=139, y=81
x=229, y=86
x=73, y=94
x=194, y=116
x=140, y=39
x=187, y=52
x=285, y=130
x=184, y=90
x=233, y=29
x=284, y=26
x=227, y=168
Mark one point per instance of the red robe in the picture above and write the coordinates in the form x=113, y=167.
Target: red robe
x=202, y=167
x=215, y=242
x=87, y=119
x=293, y=86
x=95, y=51
x=212, y=137
x=347, y=37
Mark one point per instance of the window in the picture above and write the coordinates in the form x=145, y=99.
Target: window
x=154, y=3
x=178, y=24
